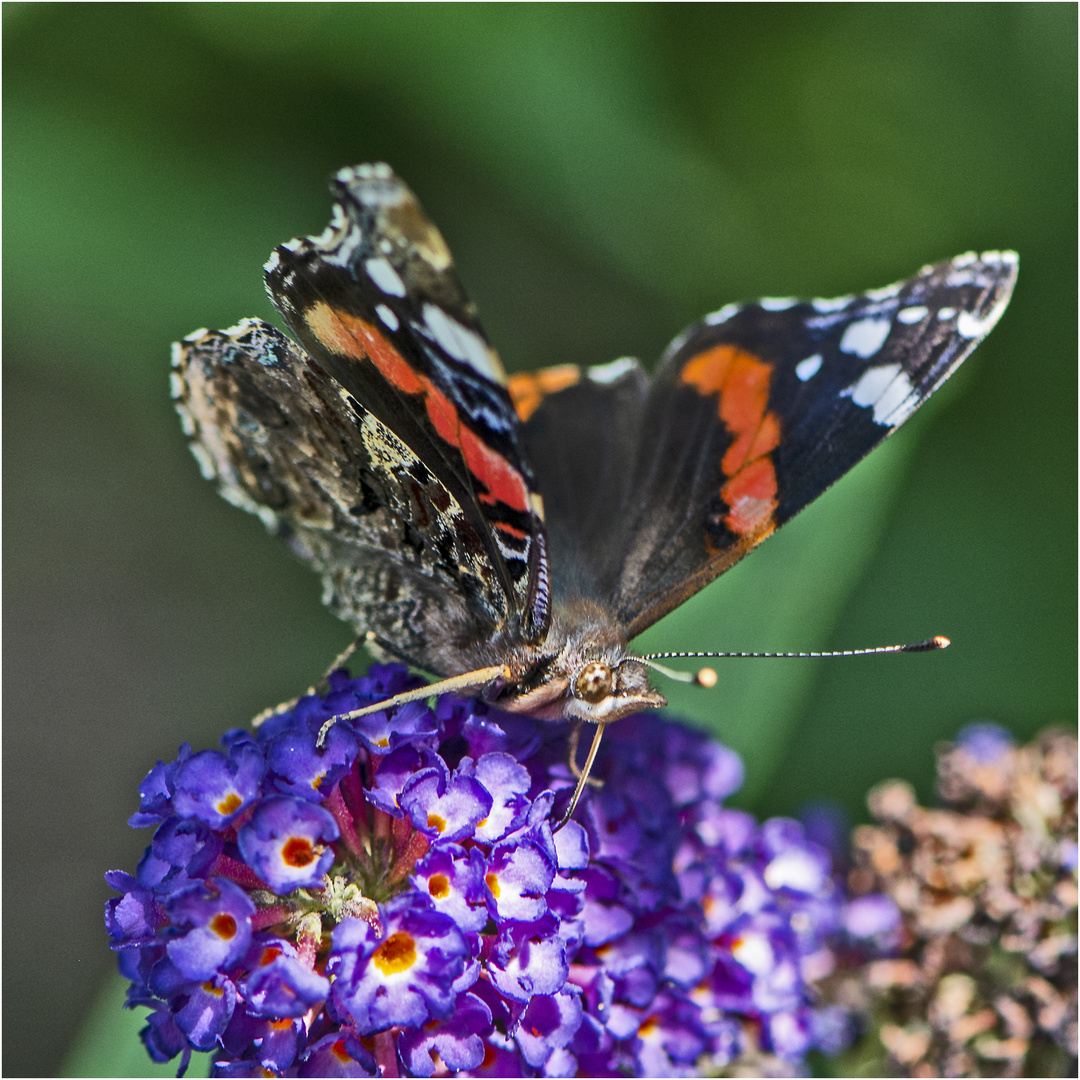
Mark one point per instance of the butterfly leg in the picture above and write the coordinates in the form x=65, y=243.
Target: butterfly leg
x=572, y=751
x=321, y=687
x=471, y=680
x=581, y=774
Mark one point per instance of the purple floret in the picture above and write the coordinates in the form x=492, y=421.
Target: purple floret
x=286, y=843
x=458, y=1040
x=402, y=976
x=215, y=921
x=215, y=787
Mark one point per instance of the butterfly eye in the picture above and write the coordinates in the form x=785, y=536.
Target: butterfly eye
x=593, y=682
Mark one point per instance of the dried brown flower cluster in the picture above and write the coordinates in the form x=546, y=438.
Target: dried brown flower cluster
x=985, y=983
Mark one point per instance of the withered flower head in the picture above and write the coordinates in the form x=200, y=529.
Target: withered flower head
x=985, y=983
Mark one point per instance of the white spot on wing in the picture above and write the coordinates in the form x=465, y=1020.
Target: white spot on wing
x=338, y=225
x=911, y=315
x=970, y=325
x=946, y=313
x=955, y=278
x=808, y=368
x=389, y=319
x=777, y=303
x=611, y=372
x=897, y=403
x=871, y=384
x=206, y=462
x=965, y=260
x=385, y=276
x=722, y=316
x=865, y=337
x=887, y=389
x=267, y=517
x=886, y=293
x=826, y=306
x=462, y=343
x=187, y=421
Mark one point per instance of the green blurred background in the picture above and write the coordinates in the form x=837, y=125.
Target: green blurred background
x=605, y=175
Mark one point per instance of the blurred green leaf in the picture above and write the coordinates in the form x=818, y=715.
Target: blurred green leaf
x=108, y=1042
x=785, y=596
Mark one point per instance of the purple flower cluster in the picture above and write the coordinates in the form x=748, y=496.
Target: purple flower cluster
x=396, y=903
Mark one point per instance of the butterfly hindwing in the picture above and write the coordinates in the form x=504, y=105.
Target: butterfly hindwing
x=282, y=439
x=582, y=430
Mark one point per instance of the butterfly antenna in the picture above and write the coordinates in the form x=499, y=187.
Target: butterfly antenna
x=703, y=677
x=471, y=680
x=707, y=677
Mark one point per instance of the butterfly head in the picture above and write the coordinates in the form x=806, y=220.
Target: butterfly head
x=596, y=691
x=600, y=692
x=581, y=672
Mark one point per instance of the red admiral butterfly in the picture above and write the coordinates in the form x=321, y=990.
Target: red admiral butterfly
x=512, y=535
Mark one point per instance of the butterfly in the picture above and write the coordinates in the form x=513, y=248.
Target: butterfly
x=512, y=535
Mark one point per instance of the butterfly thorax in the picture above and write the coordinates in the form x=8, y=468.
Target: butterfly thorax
x=579, y=672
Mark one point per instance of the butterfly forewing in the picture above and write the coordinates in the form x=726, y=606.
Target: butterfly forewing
x=376, y=304
x=759, y=408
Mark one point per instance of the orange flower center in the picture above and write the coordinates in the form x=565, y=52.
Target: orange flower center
x=396, y=953
x=223, y=925
x=298, y=852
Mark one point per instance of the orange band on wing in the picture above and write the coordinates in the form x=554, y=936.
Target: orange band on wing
x=746, y=393
x=350, y=336
x=751, y=494
x=528, y=388
x=751, y=444
x=504, y=483
x=708, y=372
x=510, y=530
x=742, y=382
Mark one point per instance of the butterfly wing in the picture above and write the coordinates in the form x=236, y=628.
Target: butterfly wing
x=582, y=431
x=760, y=407
x=385, y=446
x=753, y=413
